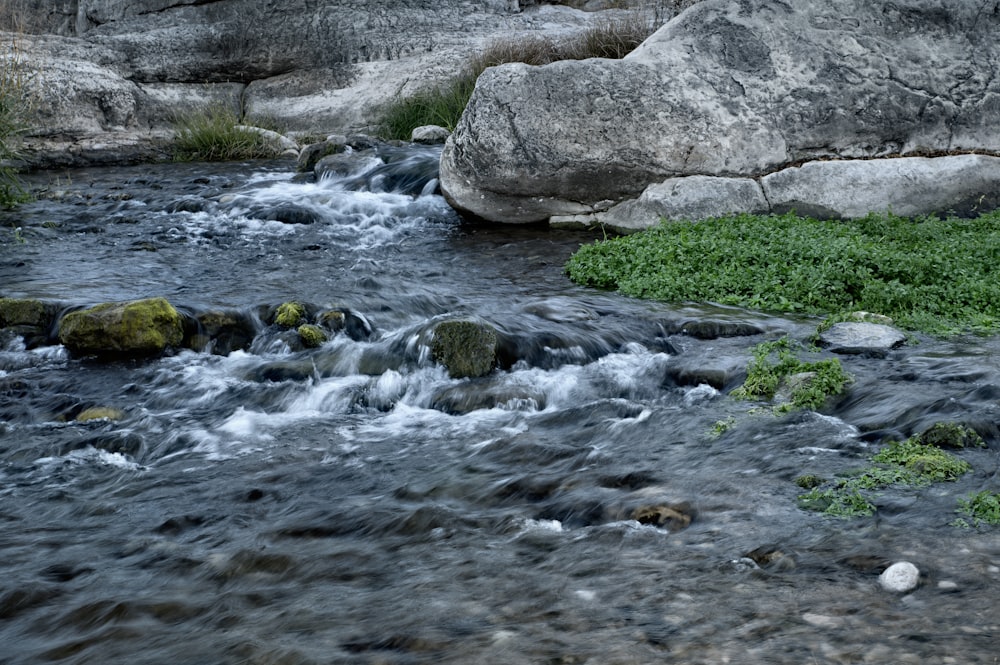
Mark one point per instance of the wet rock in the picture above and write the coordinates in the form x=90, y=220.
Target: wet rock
x=222, y=332
x=343, y=164
x=30, y=318
x=288, y=213
x=465, y=348
x=672, y=517
x=99, y=413
x=276, y=372
x=314, y=152
x=720, y=372
x=128, y=329
x=708, y=329
x=429, y=134
x=857, y=337
x=311, y=335
x=900, y=577
x=462, y=399
x=771, y=557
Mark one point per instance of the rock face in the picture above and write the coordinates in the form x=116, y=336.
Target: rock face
x=131, y=329
x=113, y=73
x=732, y=88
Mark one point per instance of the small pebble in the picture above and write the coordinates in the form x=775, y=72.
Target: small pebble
x=947, y=585
x=900, y=577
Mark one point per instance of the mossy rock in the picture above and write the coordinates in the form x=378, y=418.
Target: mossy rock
x=16, y=312
x=99, y=413
x=466, y=348
x=950, y=435
x=333, y=320
x=130, y=329
x=311, y=336
x=290, y=315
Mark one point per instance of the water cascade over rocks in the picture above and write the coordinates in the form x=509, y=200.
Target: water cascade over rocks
x=726, y=107
x=582, y=488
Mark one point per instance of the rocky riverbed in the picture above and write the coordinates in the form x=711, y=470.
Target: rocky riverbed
x=353, y=503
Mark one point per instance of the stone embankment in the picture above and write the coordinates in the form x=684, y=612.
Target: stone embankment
x=745, y=106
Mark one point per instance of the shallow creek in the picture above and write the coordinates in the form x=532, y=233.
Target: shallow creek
x=378, y=511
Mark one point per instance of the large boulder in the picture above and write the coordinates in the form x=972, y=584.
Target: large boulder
x=126, y=329
x=728, y=88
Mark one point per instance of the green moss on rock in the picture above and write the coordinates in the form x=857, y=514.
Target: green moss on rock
x=100, y=413
x=132, y=329
x=311, y=336
x=950, y=435
x=466, y=348
x=290, y=315
x=27, y=312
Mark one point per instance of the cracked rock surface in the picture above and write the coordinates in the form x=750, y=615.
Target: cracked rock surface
x=730, y=88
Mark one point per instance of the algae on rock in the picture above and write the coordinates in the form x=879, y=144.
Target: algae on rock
x=466, y=348
x=130, y=329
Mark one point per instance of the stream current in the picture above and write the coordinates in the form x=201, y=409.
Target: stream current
x=370, y=509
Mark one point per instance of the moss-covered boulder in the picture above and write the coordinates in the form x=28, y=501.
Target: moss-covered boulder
x=139, y=328
x=290, y=315
x=28, y=317
x=311, y=335
x=950, y=435
x=466, y=348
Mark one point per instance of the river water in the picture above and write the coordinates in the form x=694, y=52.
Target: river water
x=354, y=504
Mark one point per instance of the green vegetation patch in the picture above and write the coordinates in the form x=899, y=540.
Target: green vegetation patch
x=908, y=463
x=218, y=133
x=17, y=103
x=775, y=364
x=938, y=276
x=982, y=508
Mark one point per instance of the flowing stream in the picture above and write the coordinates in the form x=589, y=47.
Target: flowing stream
x=354, y=504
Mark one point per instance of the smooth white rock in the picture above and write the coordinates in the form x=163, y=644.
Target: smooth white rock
x=900, y=577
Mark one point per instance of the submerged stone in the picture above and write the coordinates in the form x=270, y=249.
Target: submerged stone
x=100, y=413
x=130, y=329
x=900, y=577
x=466, y=348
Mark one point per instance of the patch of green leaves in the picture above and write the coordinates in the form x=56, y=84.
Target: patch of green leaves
x=908, y=463
x=774, y=362
x=928, y=274
x=982, y=508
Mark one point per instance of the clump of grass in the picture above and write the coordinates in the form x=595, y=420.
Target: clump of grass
x=217, y=133
x=774, y=362
x=443, y=105
x=16, y=104
x=981, y=508
x=929, y=274
x=908, y=463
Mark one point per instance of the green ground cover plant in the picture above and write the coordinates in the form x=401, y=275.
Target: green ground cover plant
x=981, y=508
x=908, y=463
x=216, y=134
x=443, y=105
x=773, y=363
x=940, y=276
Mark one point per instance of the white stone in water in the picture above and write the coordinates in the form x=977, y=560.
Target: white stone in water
x=900, y=577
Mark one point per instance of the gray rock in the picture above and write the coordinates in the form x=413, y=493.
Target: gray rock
x=280, y=142
x=114, y=73
x=429, y=134
x=900, y=577
x=728, y=88
x=959, y=184
x=689, y=198
x=857, y=337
